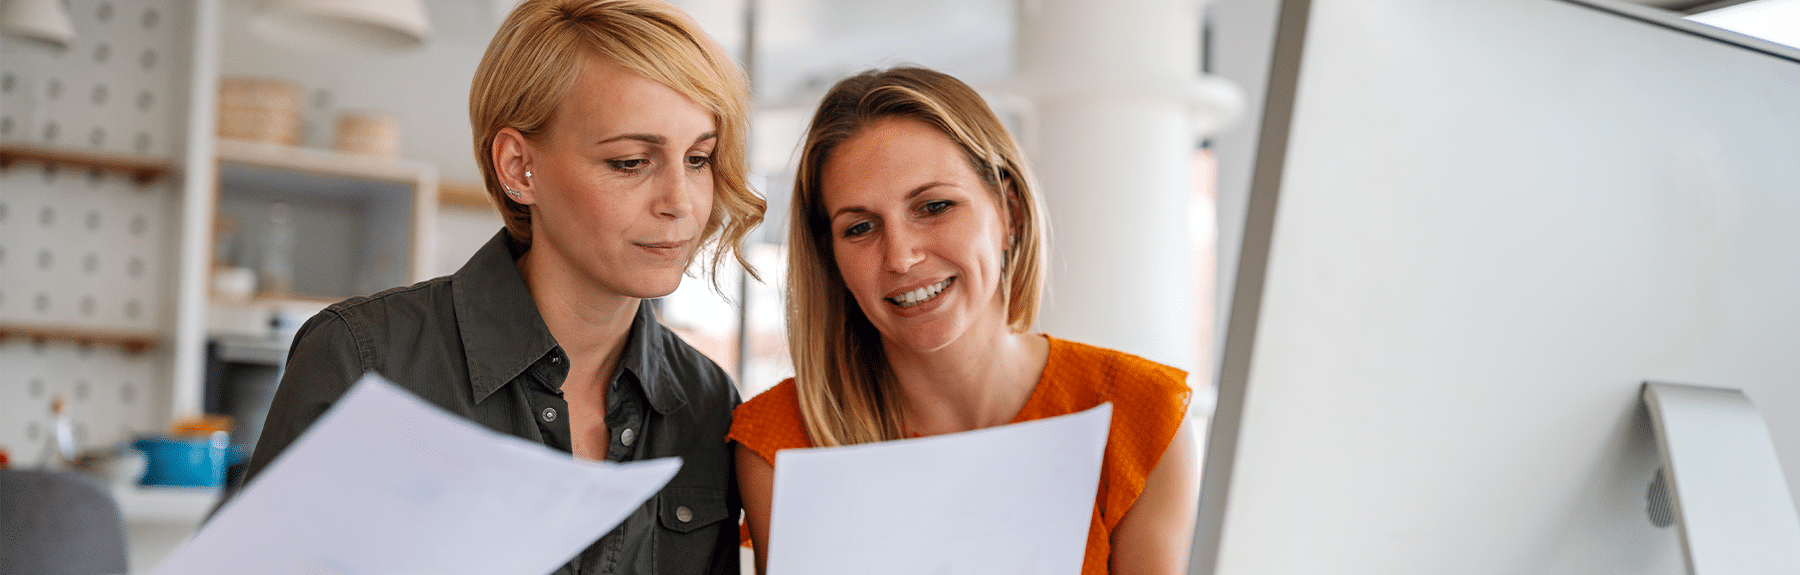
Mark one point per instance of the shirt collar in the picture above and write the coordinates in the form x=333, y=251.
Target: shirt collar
x=503, y=334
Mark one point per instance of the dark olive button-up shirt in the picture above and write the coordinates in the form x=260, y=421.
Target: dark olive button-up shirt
x=474, y=344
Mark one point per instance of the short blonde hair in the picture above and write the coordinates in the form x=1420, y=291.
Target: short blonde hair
x=847, y=390
x=533, y=60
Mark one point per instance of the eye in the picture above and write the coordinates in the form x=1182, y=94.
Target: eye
x=858, y=229
x=699, y=161
x=631, y=166
x=936, y=207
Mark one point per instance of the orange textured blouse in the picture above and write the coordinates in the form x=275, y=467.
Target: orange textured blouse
x=1149, y=401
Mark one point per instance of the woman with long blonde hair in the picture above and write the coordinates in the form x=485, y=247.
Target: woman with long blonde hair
x=916, y=250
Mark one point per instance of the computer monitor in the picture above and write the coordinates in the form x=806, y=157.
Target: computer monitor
x=1475, y=229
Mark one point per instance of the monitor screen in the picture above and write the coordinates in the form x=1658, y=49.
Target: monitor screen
x=1475, y=229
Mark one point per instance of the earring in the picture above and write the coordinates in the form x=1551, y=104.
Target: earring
x=527, y=173
x=514, y=193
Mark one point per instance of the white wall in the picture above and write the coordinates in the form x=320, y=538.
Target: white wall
x=86, y=251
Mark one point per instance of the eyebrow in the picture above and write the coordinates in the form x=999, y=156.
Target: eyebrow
x=655, y=139
x=909, y=195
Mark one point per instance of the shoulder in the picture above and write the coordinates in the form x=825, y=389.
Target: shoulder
x=783, y=399
x=771, y=422
x=1075, y=359
x=1096, y=375
x=417, y=299
x=373, y=323
x=361, y=333
x=396, y=310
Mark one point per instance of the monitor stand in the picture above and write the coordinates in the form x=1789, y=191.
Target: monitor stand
x=1729, y=496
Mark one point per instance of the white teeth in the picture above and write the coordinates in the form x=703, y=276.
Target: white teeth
x=921, y=295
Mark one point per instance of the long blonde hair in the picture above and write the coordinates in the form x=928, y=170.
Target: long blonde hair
x=847, y=390
x=533, y=60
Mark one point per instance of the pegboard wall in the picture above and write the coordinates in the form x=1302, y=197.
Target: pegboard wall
x=91, y=250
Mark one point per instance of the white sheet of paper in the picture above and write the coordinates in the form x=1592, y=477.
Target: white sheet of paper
x=1004, y=500
x=387, y=484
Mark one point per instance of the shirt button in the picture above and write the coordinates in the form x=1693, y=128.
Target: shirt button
x=555, y=359
x=549, y=414
x=627, y=437
x=684, y=514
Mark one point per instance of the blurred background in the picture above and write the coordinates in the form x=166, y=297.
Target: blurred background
x=186, y=181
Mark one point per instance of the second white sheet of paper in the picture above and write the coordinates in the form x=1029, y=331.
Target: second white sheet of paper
x=1013, y=499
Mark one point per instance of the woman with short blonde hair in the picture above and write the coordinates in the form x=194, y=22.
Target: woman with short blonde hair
x=610, y=134
x=531, y=64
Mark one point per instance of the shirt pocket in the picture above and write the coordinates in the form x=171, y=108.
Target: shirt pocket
x=691, y=519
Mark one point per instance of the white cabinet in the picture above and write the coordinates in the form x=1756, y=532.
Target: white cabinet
x=363, y=223
x=359, y=224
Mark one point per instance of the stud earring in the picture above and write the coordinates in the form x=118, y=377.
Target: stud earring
x=527, y=173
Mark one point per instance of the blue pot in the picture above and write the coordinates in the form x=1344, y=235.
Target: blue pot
x=185, y=461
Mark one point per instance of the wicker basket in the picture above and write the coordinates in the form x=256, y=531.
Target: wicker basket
x=367, y=133
x=259, y=110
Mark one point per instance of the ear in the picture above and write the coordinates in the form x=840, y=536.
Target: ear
x=1014, y=210
x=512, y=160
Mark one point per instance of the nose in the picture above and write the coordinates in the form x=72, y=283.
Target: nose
x=903, y=249
x=678, y=195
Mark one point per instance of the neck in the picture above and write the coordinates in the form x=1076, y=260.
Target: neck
x=973, y=383
x=591, y=324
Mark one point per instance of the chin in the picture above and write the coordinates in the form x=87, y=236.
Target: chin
x=653, y=285
x=919, y=338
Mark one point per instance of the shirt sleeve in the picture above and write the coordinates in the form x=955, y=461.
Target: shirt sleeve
x=323, y=362
x=770, y=422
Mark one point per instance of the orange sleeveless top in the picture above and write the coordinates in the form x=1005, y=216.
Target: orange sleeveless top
x=1149, y=401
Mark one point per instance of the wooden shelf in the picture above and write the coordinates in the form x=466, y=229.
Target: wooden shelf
x=320, y=161
x=131, y=341
x=144, y=171
x=464, y=194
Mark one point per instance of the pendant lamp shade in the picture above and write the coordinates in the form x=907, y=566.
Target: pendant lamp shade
x=343, y=25
x=41, y=20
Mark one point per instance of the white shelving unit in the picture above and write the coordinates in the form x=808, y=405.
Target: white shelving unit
x=361, y=222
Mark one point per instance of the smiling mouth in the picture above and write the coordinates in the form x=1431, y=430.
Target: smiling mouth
x=921, y=295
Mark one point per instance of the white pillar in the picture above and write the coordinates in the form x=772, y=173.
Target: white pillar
x=1119, y=106
x=198, y=201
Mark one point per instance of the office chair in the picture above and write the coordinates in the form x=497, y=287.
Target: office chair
x=59, y=523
